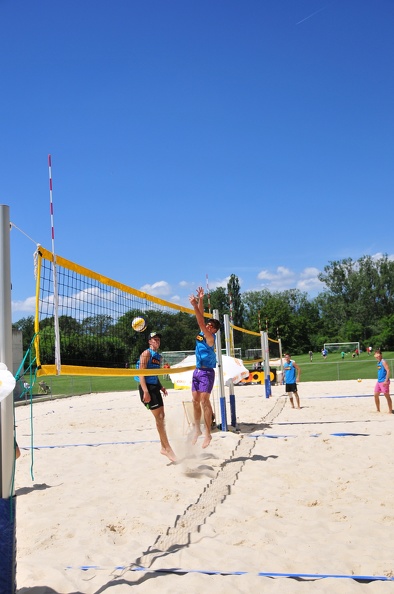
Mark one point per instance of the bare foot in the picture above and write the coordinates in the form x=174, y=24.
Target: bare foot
x=207, y=441
x=169, y=453
x=196, y=434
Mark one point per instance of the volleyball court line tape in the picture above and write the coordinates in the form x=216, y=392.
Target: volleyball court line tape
x=316, y=576
x=350, y=434
x=346, y=396
x=89, y=445
x=271, y=436
x=344, y=434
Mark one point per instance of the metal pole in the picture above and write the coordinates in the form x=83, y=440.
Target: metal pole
x=7, y=447
x=227, y=335
x=267, y=379
x=7, y=405
x=281, y=357
x=233, y=413
x=222, y=395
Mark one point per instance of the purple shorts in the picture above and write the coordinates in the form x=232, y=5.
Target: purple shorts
x=203, y=380
x=382, y=388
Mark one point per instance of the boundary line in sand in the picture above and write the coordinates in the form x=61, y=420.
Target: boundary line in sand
x=297, y=576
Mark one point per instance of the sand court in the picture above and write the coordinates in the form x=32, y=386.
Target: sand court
x=299, y=493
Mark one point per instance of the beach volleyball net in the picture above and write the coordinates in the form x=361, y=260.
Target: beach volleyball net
x=83, y=320
x=250, y=343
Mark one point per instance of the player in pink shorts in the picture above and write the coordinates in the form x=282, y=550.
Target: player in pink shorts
x=383, y=383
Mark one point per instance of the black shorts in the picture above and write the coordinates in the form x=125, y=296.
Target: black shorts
x=156, y=399
x=291, y=387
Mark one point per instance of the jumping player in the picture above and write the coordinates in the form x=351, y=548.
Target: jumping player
x=204, y=374
x=150, y=389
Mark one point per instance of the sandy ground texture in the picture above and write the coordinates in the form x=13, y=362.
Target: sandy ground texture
x=295, y=501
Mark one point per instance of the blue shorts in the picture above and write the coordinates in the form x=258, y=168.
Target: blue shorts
x=203, y=380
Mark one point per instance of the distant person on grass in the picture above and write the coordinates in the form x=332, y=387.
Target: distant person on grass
x=310, y=356
x=150, y=389
x=290, y=368
x=204, y=374
x=383, y=384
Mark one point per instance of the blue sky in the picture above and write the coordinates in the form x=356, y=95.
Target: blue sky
x=197, y=137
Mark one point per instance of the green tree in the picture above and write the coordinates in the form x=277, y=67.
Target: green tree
x=26, y=325
x=99, y=325
x=235, y=301
x=361, y=291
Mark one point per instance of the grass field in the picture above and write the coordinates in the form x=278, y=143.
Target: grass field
x=333, y=368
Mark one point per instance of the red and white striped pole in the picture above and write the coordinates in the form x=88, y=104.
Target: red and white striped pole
x=55, y=289
x=51, y=203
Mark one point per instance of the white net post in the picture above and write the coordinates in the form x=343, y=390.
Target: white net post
x=281, y=357
x=222, y=395
x=265, y=350
x=7, y=448
x=7, y=405
x=227, y=334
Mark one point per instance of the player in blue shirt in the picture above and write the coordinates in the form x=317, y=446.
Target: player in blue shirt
x=150, y=389
x=383, y=384
x=204, y=374
x=290, y=368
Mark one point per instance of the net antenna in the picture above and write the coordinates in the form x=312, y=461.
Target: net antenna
x=230, y=298
x=55, y=286
x=208, y=294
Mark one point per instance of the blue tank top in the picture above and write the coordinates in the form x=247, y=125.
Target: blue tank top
x=154, y=362
x=290, y=373
x=205, y=354
x=382, y=373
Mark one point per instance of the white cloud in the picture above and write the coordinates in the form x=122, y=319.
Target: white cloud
x=159, y=289
x=283, y=279
x=219, y=283
x=379, y=255
x=28, y=305
x=309, y=281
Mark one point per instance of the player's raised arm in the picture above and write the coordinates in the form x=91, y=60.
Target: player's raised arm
x=198, y=305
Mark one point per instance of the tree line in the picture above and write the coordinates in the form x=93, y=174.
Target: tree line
x=356, y=304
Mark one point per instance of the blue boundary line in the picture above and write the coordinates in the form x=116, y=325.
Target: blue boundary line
x=106, y=443
x=360, y=578
x=341, y=434
x=90, y=445
x=346, y=396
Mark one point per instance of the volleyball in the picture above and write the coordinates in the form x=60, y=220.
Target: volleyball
x=138, y=324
